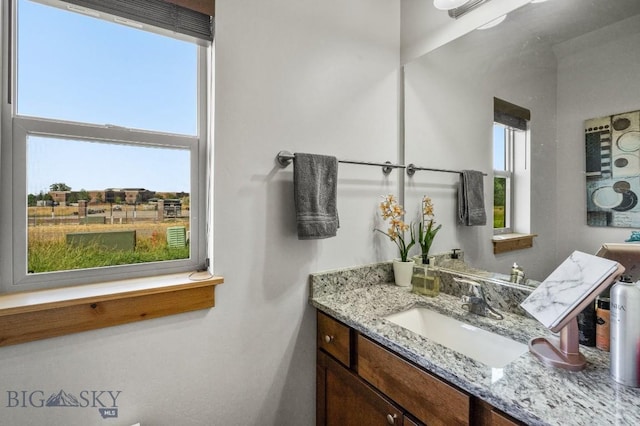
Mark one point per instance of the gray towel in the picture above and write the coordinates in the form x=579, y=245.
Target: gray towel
x=471, y=199
x=315, y=187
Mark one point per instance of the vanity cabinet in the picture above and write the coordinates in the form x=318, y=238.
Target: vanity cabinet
x=359, y=382
x=348, y=400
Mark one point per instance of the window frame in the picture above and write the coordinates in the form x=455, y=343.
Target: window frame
x=14, y=130
x=507, y=174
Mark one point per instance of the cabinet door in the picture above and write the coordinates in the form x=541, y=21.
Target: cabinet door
x=426, y=397
x=484, y=414
x=348, y=401
x=499, y=419
x=409, y=422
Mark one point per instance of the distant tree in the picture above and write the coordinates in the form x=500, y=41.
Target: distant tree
x=72, y=198
x=185, y=202
x=118, y=200
x=59, y=187
x=98, y=199
x=84, y=195
x=32, y=200
x=499, y=192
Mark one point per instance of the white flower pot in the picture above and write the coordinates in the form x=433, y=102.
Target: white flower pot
x=402, y=272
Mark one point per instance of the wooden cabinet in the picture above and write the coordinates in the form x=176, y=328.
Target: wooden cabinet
x=428, y=398
x=349, y=401
x=486, y=415
x=359, y=382
x=334, y=338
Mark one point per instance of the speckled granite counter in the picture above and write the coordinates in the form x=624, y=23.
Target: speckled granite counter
x=525, y=389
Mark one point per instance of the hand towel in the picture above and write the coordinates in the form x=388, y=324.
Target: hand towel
x=315, y=187
x=471, y=199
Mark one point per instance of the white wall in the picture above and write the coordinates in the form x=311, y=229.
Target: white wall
x=597, y=76
x=449, y=117
x=424, y=28
x=301, y=75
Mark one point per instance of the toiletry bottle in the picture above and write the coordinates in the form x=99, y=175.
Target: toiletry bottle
x=517, y=274
x=602, y=321
x=587, y=325
x=514, y=273
x=625, y=333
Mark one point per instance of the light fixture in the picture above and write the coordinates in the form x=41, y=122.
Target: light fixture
x=493, y=23
x=466, y=7
x=538, y=1
x=448, y=4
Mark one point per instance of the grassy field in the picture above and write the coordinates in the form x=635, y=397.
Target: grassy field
x=61, y=211
x=48, y=250
x=498, y=217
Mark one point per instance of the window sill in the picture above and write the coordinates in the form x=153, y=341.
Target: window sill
x=509, y=242
x=35, y=315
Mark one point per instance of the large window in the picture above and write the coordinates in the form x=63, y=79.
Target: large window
x=103, y=146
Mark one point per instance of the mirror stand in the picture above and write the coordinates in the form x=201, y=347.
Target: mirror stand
x=564, y=353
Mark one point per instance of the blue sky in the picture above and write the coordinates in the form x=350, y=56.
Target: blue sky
x=498, y=148
x=78, y=68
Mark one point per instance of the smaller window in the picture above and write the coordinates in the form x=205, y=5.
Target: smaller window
x=511, y=192
x=503, y=137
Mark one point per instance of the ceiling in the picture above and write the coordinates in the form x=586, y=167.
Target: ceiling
x=561, y=20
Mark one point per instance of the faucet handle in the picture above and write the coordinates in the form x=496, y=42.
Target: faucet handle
x=475, y=301
x=475, y=288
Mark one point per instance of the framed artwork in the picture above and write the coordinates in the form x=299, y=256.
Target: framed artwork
x=612, y=146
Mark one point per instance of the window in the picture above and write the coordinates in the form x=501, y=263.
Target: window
x=510, y=174
x=104, y=141
x=503, y=137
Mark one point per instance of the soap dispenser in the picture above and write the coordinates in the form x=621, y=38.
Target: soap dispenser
x=426, y=279
x=517, y=274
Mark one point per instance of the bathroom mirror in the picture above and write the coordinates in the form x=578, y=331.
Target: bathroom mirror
x=564, y=60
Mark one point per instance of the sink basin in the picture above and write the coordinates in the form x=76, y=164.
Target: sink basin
x=484, y=346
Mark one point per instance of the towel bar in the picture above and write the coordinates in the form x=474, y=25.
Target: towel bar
x=284, y=158
x=412, y=168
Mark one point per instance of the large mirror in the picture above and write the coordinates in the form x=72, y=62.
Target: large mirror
x=564, y=60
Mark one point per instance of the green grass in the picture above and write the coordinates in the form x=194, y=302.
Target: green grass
x=50, y=256
x=498, y=217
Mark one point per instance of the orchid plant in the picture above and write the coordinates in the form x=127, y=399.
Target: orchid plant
x=426, y=228
x=394, y=212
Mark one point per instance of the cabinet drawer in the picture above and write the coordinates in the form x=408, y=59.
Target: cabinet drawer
x=426, y=397
x=333, y=337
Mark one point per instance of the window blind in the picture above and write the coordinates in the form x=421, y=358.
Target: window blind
x=157, y=13
x=510, y=114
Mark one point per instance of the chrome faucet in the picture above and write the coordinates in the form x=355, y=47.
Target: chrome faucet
x=476, y=302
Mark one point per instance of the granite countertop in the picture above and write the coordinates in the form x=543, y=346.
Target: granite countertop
x=525, y=389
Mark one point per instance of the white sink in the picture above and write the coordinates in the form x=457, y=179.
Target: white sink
x=484, y=346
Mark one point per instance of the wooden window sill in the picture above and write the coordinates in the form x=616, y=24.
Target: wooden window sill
x=35, y=315
x=509, y=242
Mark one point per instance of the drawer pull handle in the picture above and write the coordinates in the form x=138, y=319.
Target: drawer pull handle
x=391, y=418
x=328, y=339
